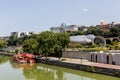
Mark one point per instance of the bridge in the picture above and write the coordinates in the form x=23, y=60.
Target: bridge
x=111, y=39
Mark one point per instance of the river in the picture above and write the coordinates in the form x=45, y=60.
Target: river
x=13, y=71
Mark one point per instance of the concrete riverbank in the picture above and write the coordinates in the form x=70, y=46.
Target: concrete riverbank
x=6, y=54
x=100, y=68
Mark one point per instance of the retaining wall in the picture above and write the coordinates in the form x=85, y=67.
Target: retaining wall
x=7, y=54
x=100, y=70
x=76, y=55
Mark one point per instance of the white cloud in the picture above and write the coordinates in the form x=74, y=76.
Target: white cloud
x=85, y=9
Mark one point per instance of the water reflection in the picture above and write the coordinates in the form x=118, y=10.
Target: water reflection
x=46, y=72
x=4, y=59
x=36, y=74
x=22, y=66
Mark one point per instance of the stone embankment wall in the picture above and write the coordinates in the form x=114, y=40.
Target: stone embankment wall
x=76, y=55
x=7, y=54
x=94, y=69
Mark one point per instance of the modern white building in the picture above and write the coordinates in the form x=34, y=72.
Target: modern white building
x=71, y=28
x=21, y=34
x=57, y=29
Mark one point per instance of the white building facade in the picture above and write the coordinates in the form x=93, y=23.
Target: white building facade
x=106, y=58
x=21, y=34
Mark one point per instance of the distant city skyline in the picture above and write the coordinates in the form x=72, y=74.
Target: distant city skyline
x=40, y=15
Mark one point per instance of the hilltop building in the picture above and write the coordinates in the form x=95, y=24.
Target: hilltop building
x=69, y=28
x=21, y=34
x=105, y=26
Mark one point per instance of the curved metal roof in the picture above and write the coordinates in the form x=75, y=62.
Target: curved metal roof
x=82, y=38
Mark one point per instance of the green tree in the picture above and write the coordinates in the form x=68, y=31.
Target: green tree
x=95, y=30
x=22, y=39
x=13, y=40
x=107, y=34
x=47, y=41
x=63, y=39
x=57, y=50
x=77, y=33
x=61, y=42
x=51, y=43
x=3, y=44
x=115, y=31
x=30, y=46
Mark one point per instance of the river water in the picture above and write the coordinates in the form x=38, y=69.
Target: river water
x=13, y=71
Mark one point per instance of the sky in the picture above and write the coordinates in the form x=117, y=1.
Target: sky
x=40, y=15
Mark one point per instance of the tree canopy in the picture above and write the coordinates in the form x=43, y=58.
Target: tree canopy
x=47, y=43
x=3, y=43
x=30, y=46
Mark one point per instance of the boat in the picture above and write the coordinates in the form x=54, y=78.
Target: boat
x=24, y=58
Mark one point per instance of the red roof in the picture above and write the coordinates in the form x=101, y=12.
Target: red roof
x=19, y=55
x=29, y=55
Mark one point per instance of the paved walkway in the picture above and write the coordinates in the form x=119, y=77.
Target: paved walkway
x=85, y=62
